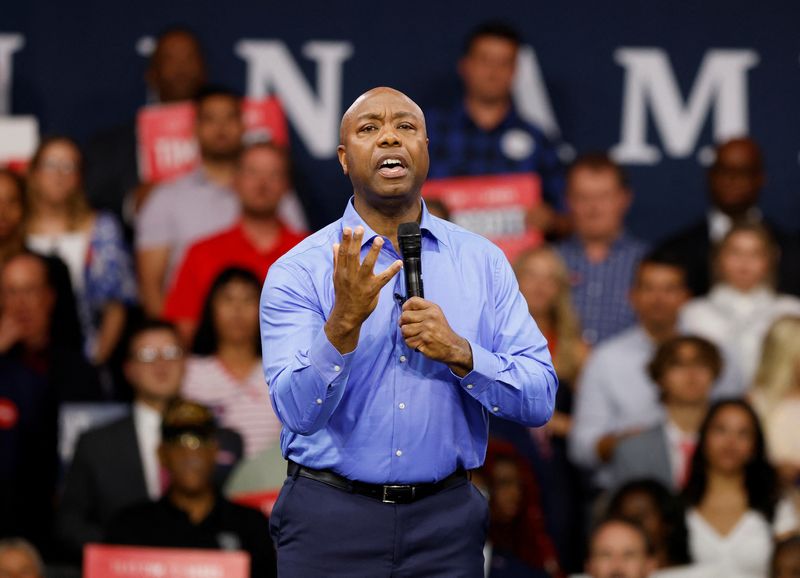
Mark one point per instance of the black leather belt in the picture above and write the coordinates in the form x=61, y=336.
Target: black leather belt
x=388, y=494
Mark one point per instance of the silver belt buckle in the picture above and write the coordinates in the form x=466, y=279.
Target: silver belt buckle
x=387, y=499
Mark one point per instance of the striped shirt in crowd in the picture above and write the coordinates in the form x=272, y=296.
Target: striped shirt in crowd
x=240, y=405
x=600, y=290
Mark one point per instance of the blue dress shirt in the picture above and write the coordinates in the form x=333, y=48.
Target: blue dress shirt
x=384, y=413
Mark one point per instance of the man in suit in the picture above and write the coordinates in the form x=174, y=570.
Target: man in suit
x=685, y=368
x=734, y=184
x=117, y=465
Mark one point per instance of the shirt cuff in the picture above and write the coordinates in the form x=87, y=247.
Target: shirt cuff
x=485, y=367
x=331, y=365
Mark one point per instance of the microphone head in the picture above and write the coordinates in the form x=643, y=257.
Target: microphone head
x=410, y=239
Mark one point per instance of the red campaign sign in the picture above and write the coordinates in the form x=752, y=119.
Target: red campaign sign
x=167, y=147
x=264, y=500
x=494, y=206
x=133, y=562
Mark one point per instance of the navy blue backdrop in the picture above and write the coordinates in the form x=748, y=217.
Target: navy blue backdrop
x=79, y=71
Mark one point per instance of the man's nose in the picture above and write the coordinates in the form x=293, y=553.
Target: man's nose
x=389, y=136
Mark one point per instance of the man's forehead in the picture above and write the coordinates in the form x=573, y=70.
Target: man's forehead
x=376, y=102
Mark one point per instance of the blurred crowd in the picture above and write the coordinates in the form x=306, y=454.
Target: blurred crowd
x=675, y=446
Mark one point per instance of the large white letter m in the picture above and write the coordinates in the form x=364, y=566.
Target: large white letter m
x=721, y=85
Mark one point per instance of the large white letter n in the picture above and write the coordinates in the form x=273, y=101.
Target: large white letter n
x=271, y=69
x=721, y=84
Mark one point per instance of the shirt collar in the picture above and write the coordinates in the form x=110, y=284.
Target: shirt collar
x=430, y=226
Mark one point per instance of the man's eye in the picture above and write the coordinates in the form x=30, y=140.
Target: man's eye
x=367, y=128
x=407, y=126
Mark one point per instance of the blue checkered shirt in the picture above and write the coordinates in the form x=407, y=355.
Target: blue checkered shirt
x=458, y=147
x=600, y=290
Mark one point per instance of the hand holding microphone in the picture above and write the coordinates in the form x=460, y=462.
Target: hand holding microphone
x=423, y=324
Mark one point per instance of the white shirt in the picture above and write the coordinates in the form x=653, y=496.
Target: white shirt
x=738, y=321
x=746, y=550
x=72, y=248
x=147, y=423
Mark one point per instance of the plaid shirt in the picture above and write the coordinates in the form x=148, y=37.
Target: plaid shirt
x=600, y=290
x=458, y=147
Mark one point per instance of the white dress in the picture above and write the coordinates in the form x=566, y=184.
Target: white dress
x=737, y=321
x=746, y=550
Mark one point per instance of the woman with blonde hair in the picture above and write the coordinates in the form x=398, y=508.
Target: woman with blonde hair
x=61, y=223
x=776, y=395
x=742, y=304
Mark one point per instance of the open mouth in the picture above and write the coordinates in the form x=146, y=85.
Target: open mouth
x=392, y=168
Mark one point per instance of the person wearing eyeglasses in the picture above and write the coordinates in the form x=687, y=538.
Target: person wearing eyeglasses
x=116, y=465
x=192, y=513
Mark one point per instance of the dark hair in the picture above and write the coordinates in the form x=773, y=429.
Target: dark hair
x=662, y=258
x=760, y=480
x=206, y=340
x=18, y=181
x=790, y=543
x=632, y=524
x=669, y=508
x=666, y=356
x=215, y=90
x=147, y=325
x=492, y=29
x=598, y=161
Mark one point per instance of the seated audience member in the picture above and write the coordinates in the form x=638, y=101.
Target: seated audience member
x=734, y=181
x=116, y=465
x=254, y=243
x=192, y=513
x=615, y=397
x=685, y=368
x=786, y=558
x=776, y=396
x=601, y=256
x=61, y=223
x=485, y=135
x=19, y=559
x=742, y=304
x=544, y=282
x=12, y=214
x=225, y=373
x=201, y=203
x=733, y=495
x=620, y=548
x=649, y=503
x=31, y=336
x=518, y=541
x=175, y=73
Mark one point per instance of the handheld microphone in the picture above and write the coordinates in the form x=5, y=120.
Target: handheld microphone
x=410, y=240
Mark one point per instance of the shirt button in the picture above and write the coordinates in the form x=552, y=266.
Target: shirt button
x=402, y=359
x=495, y=409
x=337, y=368
x=401, y=405
x=398, y=453
x=319, y=401
x=470, y=386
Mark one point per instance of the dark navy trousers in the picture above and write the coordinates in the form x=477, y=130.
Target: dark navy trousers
x=322, y=531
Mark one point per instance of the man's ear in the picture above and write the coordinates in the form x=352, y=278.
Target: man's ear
x=340, y=150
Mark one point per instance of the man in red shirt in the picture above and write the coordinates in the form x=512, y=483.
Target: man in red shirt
x=255, y=242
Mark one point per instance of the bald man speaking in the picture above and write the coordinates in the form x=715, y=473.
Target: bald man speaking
x=384, y=400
